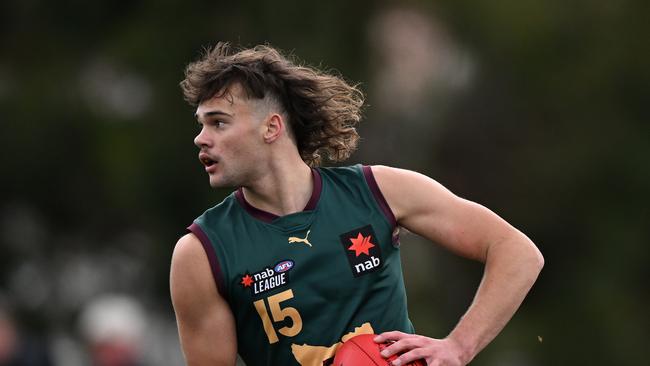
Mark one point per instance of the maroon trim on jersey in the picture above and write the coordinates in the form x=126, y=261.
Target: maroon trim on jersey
x=212, y=257
x=315, y=193
x=254, y=211
x=267, y=216
x=379, y=197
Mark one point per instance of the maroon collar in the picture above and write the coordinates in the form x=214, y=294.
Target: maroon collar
x=267, y=216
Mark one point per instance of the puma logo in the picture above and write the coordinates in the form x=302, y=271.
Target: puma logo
x=294, y=239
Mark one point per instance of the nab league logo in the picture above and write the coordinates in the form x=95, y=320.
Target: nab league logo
x=362, y=249
x=269, y=278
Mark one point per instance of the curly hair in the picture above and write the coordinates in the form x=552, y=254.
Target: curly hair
x=322, y=108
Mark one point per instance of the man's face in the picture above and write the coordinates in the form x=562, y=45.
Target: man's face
x=231, y=138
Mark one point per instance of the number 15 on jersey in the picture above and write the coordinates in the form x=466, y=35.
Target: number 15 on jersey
x=278, y=314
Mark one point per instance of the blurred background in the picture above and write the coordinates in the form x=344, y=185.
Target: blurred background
x=536, y=109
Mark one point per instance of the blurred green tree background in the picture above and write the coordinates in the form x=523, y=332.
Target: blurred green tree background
x=536, y=109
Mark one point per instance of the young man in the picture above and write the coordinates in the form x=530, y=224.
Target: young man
x=301, y=258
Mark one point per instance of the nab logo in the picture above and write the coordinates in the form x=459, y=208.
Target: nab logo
x=362, y=249
x=269, y=278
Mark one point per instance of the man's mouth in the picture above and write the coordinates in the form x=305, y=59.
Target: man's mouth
x=206, y=160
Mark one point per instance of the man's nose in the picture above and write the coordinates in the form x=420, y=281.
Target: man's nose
x=201, y=139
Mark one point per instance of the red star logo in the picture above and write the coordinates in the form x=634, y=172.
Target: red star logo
x=361, y=244
x=247, y=280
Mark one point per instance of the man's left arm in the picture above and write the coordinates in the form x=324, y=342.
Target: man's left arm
x=512, y=263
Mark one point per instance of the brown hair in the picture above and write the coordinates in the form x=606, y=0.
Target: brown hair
x=322, y=108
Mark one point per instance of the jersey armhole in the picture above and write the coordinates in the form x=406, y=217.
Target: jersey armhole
x=379, y=197
x=217, y=274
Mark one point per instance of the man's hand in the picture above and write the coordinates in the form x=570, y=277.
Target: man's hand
x=436, y=352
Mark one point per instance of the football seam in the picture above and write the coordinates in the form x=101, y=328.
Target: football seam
x=364, y=351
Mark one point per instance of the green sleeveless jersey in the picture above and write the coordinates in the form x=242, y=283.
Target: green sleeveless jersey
x=300, y=284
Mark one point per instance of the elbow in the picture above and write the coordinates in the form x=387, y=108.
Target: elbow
x=535, y=259
x=540, y=260
x=529, y=257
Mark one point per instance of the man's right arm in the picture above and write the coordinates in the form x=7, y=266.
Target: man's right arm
x=205, y=323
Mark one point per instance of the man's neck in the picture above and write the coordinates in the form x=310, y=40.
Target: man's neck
x=282, y=190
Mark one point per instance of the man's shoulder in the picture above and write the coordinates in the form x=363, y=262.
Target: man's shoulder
x=221, y=210
x=362, y=168
x=341, y=170
x=225, y=203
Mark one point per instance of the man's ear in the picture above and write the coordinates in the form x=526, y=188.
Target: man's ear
x=274, y=128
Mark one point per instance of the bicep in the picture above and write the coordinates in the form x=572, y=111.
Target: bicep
x=429, y=209
x=203, y=316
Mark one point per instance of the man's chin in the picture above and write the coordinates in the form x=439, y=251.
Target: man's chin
x=219, y=183
x=216, y=185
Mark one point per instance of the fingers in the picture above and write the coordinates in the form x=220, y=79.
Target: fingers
x=407, y=348
x=410, y=356
x=403, y=345
x=390, y=336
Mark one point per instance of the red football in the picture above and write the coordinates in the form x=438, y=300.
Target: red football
x=361, y=350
